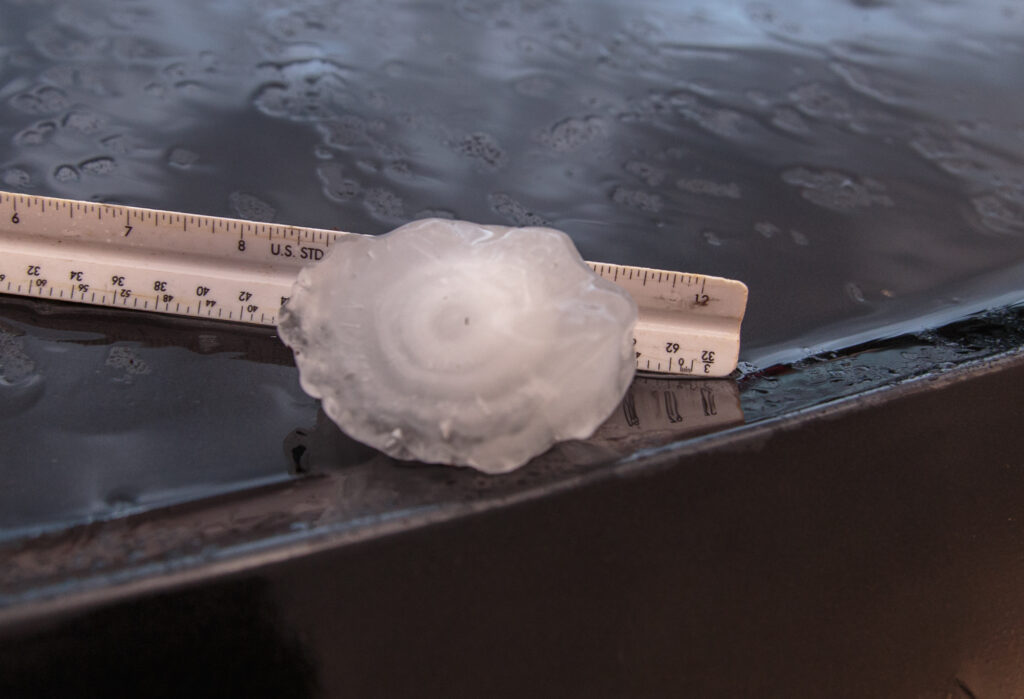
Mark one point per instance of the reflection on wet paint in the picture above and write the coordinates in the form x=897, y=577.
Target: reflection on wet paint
x=859, y=165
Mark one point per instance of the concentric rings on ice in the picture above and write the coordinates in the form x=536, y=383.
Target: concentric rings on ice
x=453, y=342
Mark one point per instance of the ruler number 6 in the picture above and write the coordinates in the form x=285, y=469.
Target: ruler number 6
x=15, y=218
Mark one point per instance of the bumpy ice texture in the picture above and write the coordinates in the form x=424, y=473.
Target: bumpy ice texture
x=457, y=343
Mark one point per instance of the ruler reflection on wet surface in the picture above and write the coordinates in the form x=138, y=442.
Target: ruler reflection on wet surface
x=242, y=271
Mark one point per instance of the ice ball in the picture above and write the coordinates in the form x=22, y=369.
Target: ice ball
x=458, y=343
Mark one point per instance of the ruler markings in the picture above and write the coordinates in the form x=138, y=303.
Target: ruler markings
x=190, y=275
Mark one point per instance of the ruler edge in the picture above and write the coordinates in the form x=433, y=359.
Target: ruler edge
x=336, y=233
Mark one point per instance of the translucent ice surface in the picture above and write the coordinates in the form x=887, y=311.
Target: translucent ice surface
x=452, y=342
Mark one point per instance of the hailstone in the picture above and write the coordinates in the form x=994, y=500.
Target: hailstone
x=452, y=342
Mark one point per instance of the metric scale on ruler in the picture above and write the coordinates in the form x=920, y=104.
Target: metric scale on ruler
x=242, y=271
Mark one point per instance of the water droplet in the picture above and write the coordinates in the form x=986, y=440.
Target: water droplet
x=125, y=359
x=251, y=207
x=182, y=158
x=854, y=292
x=998, y=214
x=121, y=501
x=858, y=79
x=66, y=173
x=15, y=365
x=35, y=135
x=766, y=229
x=821, y=101
x=482, y=147
x=789, y=120
x=712, y=238
x=514, y=211
x=98, y=166
x=935, y=146
x=572, y=133
x=118, y=143
x=399, y=169
x=17, y=178
x=336, y=186
x=84, y=121
x=41, y=100
x=837, y=190
x=384, y=203
x=304, y=90
x=77, y=78
x=343, y=132
x=719, y=121
x=637, y=199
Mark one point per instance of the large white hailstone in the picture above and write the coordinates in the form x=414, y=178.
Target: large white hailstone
x=458, y=343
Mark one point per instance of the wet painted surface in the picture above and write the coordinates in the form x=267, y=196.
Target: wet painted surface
x=860, y=168
x=863, y=552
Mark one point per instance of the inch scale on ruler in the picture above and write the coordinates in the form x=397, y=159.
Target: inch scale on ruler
x=242, y=271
